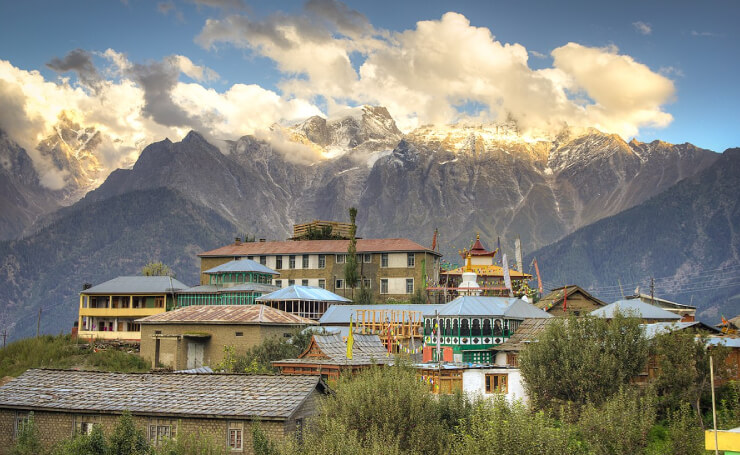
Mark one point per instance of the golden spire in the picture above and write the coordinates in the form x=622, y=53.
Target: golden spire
x=468, y=265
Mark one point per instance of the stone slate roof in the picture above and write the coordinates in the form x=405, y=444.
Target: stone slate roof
x=508, y=307
x=303, y=293
x=242, y=265
x=528, y=331
x=555, y=297
x=166, y=394
x=317, y=247
x=366, y=350
x=227, y=314
x=634, y=307
x=125, y=285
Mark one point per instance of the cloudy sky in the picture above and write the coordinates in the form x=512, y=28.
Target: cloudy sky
x=141, y=70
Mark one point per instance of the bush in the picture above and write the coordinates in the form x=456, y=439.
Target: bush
x=28, y=442
x=257, y=359
x=191, y=444
x=127, y=439
x=92, y=444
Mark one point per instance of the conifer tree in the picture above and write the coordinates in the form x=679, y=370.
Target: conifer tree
x=350, y=267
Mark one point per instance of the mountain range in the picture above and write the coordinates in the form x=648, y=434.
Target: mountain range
x=461, y=179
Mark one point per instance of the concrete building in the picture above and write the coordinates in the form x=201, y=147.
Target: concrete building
x=391, y=268
x=238, y=282
x=222, y=407
x=109, y=310
x=194, y=336
x=474, y=380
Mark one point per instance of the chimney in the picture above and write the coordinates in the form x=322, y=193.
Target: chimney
x=86, y=286
x=237, y=241
x=263, y=240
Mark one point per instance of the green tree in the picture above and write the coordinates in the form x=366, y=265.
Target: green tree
x=582, y=360
x=84, y=444
x=157, y=268
x=127, y=439
x=256, y=360
x=28, y=442
x=261, y=444
x=365, y=296
x=351, y=276
x=685, y=434
x=621, y=424
x=683, y=369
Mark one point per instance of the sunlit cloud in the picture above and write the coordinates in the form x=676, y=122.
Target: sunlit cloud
x=643, y=28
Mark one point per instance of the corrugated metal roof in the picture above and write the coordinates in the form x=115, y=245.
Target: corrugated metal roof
x=724, y=341
x=227, y=314
x=200, y=370
x=318, y=246
x=660, y=328
x=304, y=293
x=168, y=394
x=340, y=314
x=636, y=308
x=136, y=285
x=491, y=306
x=241, y=265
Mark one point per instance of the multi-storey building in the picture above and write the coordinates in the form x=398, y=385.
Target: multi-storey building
x=109, y=310
x=391, y=268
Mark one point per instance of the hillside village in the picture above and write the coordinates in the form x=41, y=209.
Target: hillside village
x=460, y=328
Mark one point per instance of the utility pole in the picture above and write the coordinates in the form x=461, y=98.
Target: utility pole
x=5, y=335
x=619, y=280
x=38, y=324
x=652, y=290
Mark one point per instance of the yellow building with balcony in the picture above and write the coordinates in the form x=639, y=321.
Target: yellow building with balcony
x=109, y=310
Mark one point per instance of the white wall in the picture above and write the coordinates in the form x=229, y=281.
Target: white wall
x=474, y=383
x=397, y=260
x=397, y=285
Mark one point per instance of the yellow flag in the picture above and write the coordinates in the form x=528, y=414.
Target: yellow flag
x=350, y=340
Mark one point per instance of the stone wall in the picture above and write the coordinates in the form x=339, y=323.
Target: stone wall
x=55, y=427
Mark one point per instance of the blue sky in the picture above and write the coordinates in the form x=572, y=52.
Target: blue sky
x=686, y=53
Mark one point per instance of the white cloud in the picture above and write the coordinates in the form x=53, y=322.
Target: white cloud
x=643, y=28
x=696, y=33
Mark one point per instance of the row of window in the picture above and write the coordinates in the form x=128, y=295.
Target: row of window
x=465, y=328
x=159, y=430
x=340, y=284
x=339, y=259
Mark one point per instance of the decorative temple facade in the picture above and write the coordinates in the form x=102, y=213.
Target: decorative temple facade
x=490, y=277
x=472, y=325
x=238, y=282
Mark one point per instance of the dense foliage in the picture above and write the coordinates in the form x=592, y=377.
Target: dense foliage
x=63, y=351
x=157, y=268
x=582, y=360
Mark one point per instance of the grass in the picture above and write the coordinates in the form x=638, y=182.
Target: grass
x=63, y=352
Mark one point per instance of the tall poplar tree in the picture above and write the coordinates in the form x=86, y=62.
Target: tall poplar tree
x=350, y=265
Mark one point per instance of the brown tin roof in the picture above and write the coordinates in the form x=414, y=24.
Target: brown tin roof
x=317, y=246
x=227, y=314
x=528, y=331
x=166, y=394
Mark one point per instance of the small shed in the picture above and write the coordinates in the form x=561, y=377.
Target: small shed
x=195, y=336
x=305, y=301
x=569, y=300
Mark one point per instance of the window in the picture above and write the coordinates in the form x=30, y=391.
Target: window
x=339, y=284
x=322, y=261
x=291, y=261
x=279, y=283
x=384, y=259
x=21, y=420
x=291, y=282
x=263, y=260
x=305, y=261
x=251, y=258
x=409, y=285
x=366, y=282
x=134, y=327
x=160, y=430
x=367, y=258
x=341, y=258
x=322, y=283
x=384, y=286
x=236, y=436
x=497, y=383
x=278, y=262
x=84, y=424
x=159, y=302
x=410, y=260
x=512, y=359
x=239, y=334
x=304, y=282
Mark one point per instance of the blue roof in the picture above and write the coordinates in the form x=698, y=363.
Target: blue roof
x=136, y=285
x=509, y=307
x=660, y=328
x=296, y=292
x=242, y=265
x=725, y=341
x=635, y=308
